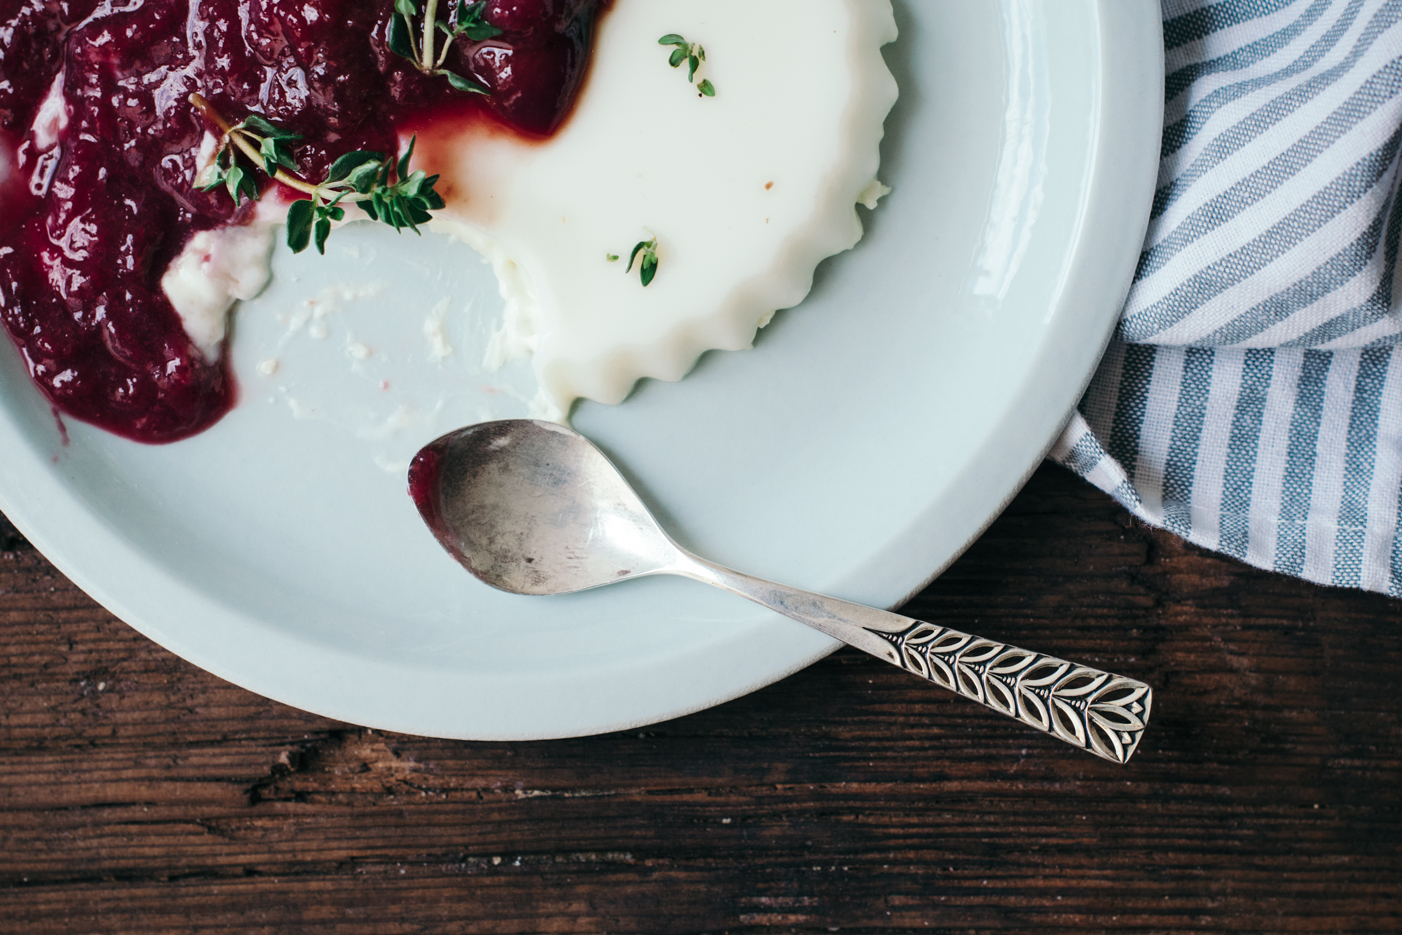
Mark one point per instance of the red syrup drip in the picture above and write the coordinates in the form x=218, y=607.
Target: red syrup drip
x=425, y=472
x=89, y=224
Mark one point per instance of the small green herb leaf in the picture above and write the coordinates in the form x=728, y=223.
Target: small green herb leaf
x=213, y=176
x=240, y=184
x=478, y=32
x=363, y=178
x=611, y=257
x=462, y=84
x=270, y=156
x=225, y=172
x=323, y=230
x=431, y=199
x=210, y=178
x=299, y=225
x=403, y=167
x=399, y=37
x=275, y=153
x=348, y=163
x=470, y=22
x=648, y=268
x=693, y=54
x=258, y=126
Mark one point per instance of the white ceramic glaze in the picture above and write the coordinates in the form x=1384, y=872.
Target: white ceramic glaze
x=868, y=437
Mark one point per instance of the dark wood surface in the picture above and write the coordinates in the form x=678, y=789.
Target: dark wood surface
x=140, y=794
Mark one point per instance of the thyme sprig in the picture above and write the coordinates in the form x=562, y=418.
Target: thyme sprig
x=410, y=22
x=260, y=140
x=384, y=187
x=648, y=269
x=693, y=54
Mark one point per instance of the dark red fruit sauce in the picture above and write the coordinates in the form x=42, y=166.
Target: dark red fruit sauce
x=89, y=224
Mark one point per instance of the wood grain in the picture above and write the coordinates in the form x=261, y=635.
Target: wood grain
x=139, y=794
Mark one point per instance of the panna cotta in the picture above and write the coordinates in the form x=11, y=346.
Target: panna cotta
x=742, y=191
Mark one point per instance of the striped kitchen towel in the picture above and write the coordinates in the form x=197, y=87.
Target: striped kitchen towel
x=1251, y=400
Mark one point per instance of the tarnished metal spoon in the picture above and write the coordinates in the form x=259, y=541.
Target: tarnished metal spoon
x=534, y=508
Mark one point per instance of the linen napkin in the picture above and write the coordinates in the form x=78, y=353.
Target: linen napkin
x=1251, y=400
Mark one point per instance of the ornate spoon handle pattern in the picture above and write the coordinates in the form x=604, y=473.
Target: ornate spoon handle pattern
x=1100, y=711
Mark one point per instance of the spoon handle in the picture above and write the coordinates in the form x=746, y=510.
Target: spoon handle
x=1097, y=711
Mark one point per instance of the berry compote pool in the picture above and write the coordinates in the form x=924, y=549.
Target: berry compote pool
x=100, y=149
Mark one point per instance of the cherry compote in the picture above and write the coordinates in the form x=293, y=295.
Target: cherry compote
x=100, y=149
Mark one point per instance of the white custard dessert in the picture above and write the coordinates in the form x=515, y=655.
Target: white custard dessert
x=745, y=192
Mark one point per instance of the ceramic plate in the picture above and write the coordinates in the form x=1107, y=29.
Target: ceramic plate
x=869, y=436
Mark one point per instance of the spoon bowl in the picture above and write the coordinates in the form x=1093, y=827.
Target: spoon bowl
x=528, y=509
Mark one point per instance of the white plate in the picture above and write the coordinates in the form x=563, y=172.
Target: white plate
x=872, y=433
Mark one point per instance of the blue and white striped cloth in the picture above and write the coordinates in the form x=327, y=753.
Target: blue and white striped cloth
x=1251, y=400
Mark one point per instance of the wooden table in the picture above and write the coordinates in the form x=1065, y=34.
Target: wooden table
x=139, y=794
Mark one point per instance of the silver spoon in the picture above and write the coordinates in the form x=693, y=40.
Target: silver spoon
x=534, y=508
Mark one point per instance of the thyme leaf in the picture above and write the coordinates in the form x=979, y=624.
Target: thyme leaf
x=693, y=55
x=648, y=269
